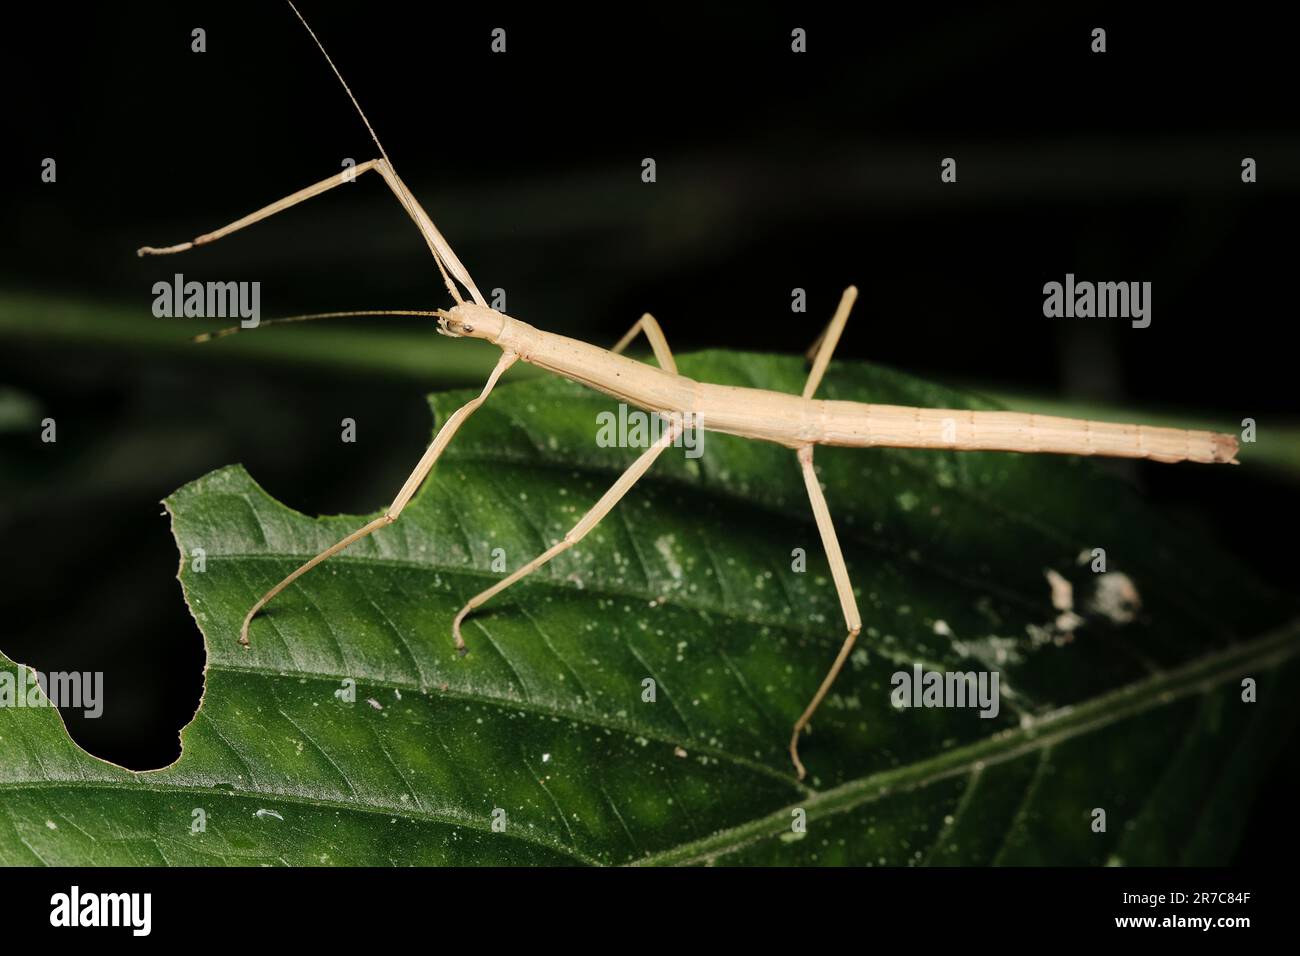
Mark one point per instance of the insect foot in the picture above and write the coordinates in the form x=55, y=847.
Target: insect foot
x=461, y=649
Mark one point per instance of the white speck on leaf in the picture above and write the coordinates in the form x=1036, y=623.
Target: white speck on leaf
x=664, y=545
x=1062, y=591
x=1116, y=598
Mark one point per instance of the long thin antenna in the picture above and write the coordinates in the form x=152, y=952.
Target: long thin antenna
x=346, y=88
x=403, y=194
x=221, y=334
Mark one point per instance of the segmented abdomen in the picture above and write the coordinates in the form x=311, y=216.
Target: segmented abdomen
x=862, y=425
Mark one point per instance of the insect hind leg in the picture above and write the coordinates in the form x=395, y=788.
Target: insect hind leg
x=843, y=587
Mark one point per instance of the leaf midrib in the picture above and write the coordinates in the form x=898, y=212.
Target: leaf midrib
x=148, y=786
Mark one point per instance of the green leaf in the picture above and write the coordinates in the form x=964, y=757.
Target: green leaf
x=18, y=410
x=689, y=583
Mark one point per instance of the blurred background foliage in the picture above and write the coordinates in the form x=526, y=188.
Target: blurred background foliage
x=775, y=171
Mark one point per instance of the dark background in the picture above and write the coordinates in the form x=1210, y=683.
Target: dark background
x=774, y=171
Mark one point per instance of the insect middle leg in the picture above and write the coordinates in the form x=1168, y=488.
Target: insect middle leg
x=819, y=353
x=407, y=492
x=843, y=587
x=577, y=532
x=658, y=342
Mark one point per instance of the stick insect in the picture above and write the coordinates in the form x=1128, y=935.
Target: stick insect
x=799, y=422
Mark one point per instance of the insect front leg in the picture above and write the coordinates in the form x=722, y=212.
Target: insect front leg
x=442, y=251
